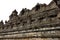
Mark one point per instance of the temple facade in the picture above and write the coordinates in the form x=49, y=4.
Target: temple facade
x=42, y=22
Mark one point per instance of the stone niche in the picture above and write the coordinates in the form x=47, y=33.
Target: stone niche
x=57, y=2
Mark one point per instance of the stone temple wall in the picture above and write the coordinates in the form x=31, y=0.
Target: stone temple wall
x=42, y=22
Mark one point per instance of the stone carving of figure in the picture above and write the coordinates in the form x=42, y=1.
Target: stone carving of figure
x=36, y=7
x=22, y=12
x=1, y=24
x=6, y=22
x=14, y=13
